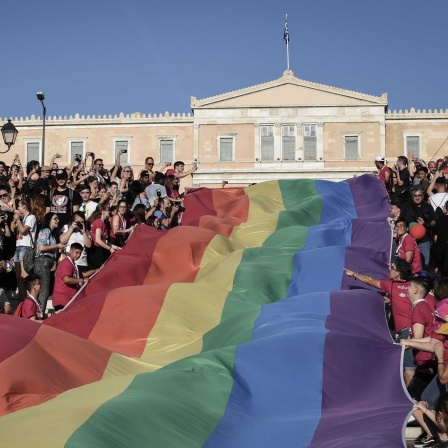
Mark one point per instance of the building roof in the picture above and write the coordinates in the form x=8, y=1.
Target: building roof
x=288, y=91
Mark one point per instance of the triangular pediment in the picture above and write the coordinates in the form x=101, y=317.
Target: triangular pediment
x=288, y=91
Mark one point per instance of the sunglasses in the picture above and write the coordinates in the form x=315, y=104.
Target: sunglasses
x=4, y=195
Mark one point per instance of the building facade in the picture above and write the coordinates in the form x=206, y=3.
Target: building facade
x=286, y=128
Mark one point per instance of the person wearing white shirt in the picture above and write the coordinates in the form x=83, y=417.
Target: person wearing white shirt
x=24, y=225
x=87, y=206
x=440, y=198
x=75, y=232
x=157, y=189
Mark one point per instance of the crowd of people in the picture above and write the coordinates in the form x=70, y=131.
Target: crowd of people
x=59, y=225
x=416, y=292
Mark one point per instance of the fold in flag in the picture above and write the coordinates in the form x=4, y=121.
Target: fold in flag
x=286, y=32
x=237, y=329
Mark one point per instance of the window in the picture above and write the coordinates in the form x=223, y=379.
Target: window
x=226, y=149
x=309, y=142
x=166, y=150
x=267, y=142
x=413, y=145
x=288, y=142
x=33, y=150
x=122, y=144
x=351, y=147
x=76, y=147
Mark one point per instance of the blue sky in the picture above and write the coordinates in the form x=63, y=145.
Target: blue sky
x=108, y=56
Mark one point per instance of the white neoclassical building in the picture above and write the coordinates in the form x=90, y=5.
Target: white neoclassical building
x=286, y=128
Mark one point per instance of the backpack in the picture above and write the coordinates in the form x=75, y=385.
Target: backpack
x=18, y=311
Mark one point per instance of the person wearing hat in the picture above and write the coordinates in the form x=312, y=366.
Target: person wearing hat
x=63, y=201
x=43, y=183
x=384, y=173
x=145, y=178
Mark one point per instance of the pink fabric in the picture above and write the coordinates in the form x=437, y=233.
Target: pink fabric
x=431, y=301
x=29, y=309
x=382, y=178
x=98, y=224
x=408, y=244
x=401, y=305
x=63, y=293
x=421, y=314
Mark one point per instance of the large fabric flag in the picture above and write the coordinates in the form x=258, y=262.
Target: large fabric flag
x=237, y=329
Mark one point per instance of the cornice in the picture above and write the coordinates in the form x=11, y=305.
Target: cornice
x=288, y=78
x=416, y=114
x=121, y=118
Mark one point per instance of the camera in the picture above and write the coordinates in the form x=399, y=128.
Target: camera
x=159, y=193
x=125, y=151
x=3, y=214
x=79, y=225
x=425, y=216
x=179, y=207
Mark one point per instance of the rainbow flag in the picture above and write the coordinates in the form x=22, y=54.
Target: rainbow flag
x=237, y=329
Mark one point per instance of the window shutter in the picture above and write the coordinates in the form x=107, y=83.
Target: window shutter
x=288, y=142
x=166, y=151
x=32, y=151
x=289, y=148
x=119, y=145
x=413, y=145
x=267, y=142
x=351, y=147
x=309, y=148
x=226, y=149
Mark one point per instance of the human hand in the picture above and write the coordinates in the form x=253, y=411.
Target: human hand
x=439, y=350
x=421, y=220
x=61, y=246
x=422, y=406
x=349, y=272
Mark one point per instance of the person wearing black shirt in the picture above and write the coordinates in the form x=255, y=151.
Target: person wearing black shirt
x=401, y=176
x=422, y=213
x=62, y=200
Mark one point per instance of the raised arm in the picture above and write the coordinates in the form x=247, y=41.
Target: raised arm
x=114, y=172
x=363, y=278
x=186, y=173
x=432, y=185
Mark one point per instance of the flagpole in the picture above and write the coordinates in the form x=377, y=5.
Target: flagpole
x=286, y=37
